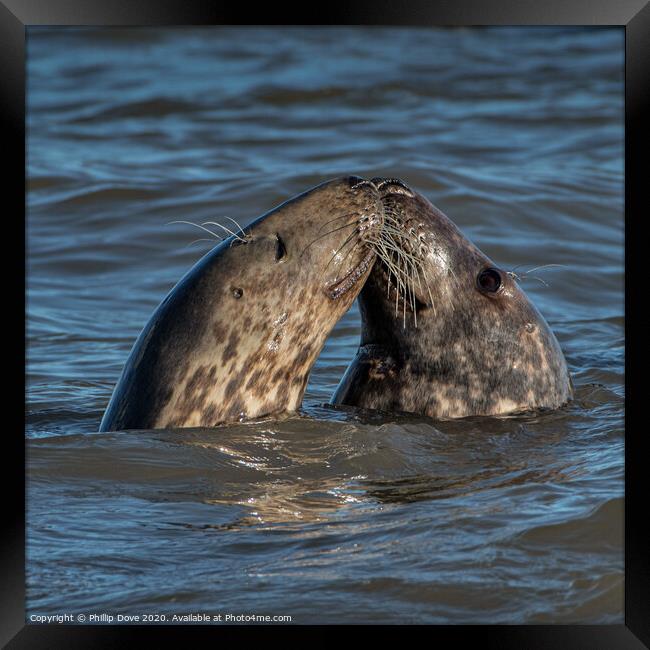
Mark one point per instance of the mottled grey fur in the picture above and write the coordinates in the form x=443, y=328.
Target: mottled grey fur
x=472, y=353
x=236, y=338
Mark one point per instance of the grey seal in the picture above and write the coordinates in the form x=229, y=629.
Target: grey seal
x=236, y=338
x=445, y=332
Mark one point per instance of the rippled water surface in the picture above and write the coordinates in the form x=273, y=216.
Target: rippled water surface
x=331, y=515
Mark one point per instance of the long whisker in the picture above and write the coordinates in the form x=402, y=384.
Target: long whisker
x=341, y=247
x=196, y=241
x=202, y=227
x=525, y=274
x=394, y=246
x=400, y=280
x=347, y=225
x=387, y=249
x=399, y=253
x=238, y=226
x=343, y=216
x=352, y=248
x=417, y=277
x=220, y=225
x=543, y=266
x=386, y=252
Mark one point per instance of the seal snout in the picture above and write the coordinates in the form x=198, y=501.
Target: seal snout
x=354, y=181
x=392, y=186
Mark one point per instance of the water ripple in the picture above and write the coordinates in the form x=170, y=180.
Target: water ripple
x=516, y=133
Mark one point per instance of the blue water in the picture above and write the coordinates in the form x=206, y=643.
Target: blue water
x=331, y=515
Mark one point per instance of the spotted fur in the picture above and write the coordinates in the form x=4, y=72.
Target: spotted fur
x=236, y=338
x=471, y=353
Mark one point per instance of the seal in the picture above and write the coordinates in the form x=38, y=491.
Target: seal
x=236, y=338
x=445, y=332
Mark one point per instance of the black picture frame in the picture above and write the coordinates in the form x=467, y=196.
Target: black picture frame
x=633, y=15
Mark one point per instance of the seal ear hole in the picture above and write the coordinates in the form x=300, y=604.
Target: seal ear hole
x=237, y=292
x=280, y=248
x=489, y=280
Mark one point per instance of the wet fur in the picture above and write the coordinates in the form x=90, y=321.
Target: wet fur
x=470, y=354
x=207, y=356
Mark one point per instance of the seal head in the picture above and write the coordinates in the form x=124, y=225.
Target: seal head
x=445, y=332
x=237, y=336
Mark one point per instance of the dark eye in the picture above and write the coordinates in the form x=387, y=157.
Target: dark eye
x=489, y=280
x=280, y=248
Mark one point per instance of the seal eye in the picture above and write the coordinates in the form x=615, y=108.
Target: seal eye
x=280, y=248
x=489, y=280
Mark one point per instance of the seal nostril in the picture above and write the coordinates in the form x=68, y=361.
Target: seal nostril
x=394, y=185
x=356, y=182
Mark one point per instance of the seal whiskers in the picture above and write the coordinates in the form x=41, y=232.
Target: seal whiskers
x=197, y=225
x=525, y=274
x=330, y=232
x=243, y=239
x=394, y=247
